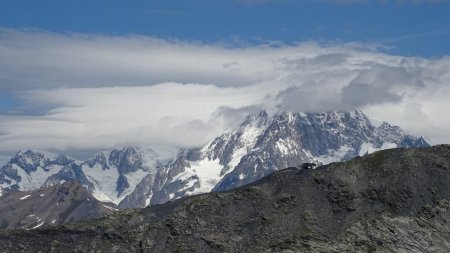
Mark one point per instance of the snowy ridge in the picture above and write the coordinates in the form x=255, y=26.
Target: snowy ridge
x=109, y=176
x=261, y=144
x=264, y=143
x=116, y=174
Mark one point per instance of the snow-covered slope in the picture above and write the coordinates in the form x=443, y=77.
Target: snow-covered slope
x=29, y=170
x=116, y=174
x=293, y=138
x=263, y=143
x=109, y=176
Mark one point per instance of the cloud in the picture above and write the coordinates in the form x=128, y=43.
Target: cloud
x=378, y=85
x=90, y=92
x=164, y=114
x=31, y=59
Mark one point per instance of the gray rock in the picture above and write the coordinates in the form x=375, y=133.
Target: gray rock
x=140, y=196
x=53, y=205
x=395, y=200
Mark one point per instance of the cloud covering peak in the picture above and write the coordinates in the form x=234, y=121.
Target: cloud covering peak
x=80, y=91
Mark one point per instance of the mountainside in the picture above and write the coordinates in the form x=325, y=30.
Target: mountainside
x=261, y=144
x=69, y=202
x=395, y=200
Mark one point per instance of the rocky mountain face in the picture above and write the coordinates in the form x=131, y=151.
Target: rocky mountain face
x=54, y=205
x=265, y=143
x=261, y=144
x=395, y=200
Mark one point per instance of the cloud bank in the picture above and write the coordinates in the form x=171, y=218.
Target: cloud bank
x=81, y=92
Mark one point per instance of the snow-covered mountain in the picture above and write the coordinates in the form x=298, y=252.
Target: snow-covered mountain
x=109, y=176
x=29, y=170
x=264, y=143
x=289, y=139
x=260, y=145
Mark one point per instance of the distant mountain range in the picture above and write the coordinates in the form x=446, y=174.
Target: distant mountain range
x=263, y=143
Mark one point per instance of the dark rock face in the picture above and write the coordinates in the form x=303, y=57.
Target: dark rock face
x=139, y=196
x=54, y=205
x=396, y=200
x=126, y=160
x=100, y=159
x=69, y=173
x=164, y=186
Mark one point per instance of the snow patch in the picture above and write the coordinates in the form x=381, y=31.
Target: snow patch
x=237, y=156
x=37, y=178
x=105, y=182
x=147, y=200
x=208, y=174
x=38, y=225
x=110, y=208
x=25, y=197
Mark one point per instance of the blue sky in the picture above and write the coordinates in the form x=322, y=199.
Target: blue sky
x=421, y=28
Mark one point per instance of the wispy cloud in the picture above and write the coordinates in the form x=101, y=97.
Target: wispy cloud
x=413, y=36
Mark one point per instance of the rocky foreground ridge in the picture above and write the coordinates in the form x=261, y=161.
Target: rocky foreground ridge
x=395, y=200
x=52, y=205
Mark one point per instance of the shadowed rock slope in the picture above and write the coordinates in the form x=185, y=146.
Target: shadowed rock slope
x=54, y=205
x=390, y=201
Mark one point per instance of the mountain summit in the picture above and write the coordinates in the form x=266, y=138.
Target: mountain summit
x=265, y=143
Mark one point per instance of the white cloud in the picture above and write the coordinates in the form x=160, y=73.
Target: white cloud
x=164, y=114
x=106, y=91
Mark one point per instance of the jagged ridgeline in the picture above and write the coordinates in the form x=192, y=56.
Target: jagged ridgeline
x=260, y=145
x=395, y=200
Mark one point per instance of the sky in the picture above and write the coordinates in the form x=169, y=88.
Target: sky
x=91, y=75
